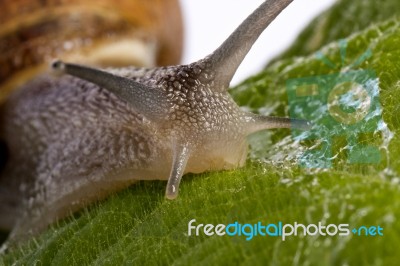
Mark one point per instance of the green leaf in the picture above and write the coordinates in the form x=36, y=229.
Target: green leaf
x=138, y=226
x=342, y=20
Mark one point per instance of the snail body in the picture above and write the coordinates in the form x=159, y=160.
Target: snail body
x=79, y=135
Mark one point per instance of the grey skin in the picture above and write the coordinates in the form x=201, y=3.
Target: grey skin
x=78, y=137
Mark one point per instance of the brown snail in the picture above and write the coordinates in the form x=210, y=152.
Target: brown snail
x=76, y=138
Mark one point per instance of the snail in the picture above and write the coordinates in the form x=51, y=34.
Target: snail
x=82, y=133
x=96, y=32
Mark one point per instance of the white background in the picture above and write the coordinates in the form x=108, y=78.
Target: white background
x=209, y=22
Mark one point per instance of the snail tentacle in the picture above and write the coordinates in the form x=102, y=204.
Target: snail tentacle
x=148, y=101
x=181, y=155
x=261, y=122
x=227, y=58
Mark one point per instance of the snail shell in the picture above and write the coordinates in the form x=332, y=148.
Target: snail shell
x=79, y=136
x=102, y=33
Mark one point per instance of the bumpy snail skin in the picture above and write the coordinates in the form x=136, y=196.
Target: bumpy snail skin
x=92, y=131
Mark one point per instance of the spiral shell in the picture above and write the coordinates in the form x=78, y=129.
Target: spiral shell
x=102, y=33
